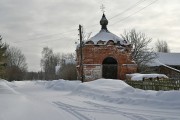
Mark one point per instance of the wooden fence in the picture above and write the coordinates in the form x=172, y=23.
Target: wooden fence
x=155, y=84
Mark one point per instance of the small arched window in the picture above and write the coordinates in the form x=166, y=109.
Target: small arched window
x=110, y=42
x=90, y=42
x=100, y=42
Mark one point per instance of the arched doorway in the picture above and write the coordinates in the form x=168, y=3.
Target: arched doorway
x=109, y=69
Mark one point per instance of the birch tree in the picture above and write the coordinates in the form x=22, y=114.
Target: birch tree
x=49, y=61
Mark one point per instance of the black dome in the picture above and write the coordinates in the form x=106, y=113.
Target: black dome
x=104, y=22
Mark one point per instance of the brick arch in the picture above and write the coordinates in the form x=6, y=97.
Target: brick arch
x=109, y=60
x=106, y=56
x=110, y=68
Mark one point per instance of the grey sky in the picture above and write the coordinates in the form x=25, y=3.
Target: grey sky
x=33, y=24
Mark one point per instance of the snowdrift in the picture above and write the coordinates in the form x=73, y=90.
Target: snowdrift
x=70, y=100
x=61, y=85
x=116, y=91
x=5, y=88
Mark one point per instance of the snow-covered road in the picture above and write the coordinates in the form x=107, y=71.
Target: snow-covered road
x=99, y=100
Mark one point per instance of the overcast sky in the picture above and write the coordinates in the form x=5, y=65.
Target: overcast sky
x=33, y=24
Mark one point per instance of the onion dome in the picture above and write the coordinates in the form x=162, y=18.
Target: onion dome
x=104, y=22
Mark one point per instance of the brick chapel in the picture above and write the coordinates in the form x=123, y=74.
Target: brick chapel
x=105, y=55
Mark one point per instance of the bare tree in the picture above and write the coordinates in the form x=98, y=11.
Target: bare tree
x=16, y=58
x=68, y=71
x=162, y=46
x=16, y=64
x=49, y=61
x=68, y=67
x=65, y=62
x=141, y=53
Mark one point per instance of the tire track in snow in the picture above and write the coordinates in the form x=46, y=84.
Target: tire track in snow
x=73, y=110
x=83, y=109
x=133, y=114
x=126, y=114
x=70, y=109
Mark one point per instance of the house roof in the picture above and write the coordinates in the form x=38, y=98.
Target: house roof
x=171, y=59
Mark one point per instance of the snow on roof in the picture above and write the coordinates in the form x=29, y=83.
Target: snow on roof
x=105, y=36
x=138, y=76
x=166, y=58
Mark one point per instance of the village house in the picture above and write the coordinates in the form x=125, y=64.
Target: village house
x=105, y=55
x=166, y=63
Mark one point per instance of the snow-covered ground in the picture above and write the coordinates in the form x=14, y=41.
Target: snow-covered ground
x=103, y=99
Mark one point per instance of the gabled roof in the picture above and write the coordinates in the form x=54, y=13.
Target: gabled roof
x=171, y=59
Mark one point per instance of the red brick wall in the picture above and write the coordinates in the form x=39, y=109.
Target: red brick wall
x=95, y=54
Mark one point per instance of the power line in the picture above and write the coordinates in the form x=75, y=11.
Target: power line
x=52, y=40
x=72, y=30
x=134, y=13
x=47, y=35
x=32, y=39
x=129, y=8
x=56, y=39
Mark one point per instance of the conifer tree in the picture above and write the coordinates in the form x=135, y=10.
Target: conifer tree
x=3, y=48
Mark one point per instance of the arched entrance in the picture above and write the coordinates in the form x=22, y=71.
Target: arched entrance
x=109, y=69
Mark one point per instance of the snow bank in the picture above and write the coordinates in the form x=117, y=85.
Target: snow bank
x=106, y=85
x=101, y=85
x=116, y=91
x=5, y=88
x=63, y=85
x=34, y=106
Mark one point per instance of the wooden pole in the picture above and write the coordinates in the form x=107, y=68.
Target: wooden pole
x=81, y=54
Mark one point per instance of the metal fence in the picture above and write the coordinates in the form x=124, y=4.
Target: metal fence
x=154, y=84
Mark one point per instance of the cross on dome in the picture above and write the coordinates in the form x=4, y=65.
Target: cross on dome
x=102, y=8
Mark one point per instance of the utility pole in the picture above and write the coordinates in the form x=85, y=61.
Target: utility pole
x=81, y=54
